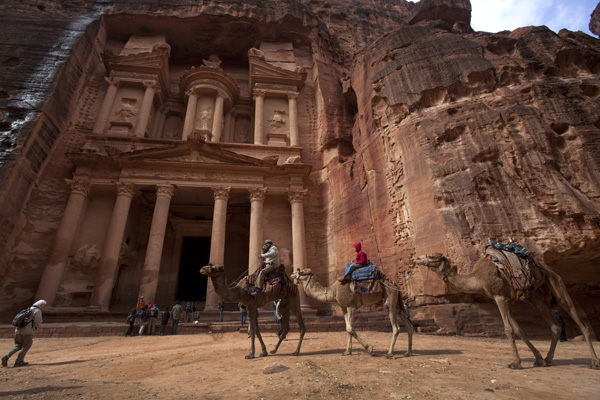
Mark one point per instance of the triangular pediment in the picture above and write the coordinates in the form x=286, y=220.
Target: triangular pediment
x=264, y=72
x=196, y=152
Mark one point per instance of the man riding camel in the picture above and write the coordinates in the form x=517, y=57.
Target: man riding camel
x=270, y=259
x=361, y=261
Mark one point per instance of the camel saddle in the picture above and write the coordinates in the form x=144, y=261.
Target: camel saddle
x=514, y=266
x=366, y=287
x=276, y=281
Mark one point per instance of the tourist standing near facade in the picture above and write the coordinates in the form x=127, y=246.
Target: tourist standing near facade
x=143, y=316
x=176, y=313
x=243, y=313
x=24, y=335
x=188, y=312
x=152, y=319
x=139, y=305
x=221, y=307
x=164, y=320
x=193, y=312
x=131, y=320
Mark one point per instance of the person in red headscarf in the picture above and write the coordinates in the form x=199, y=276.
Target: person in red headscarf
x=361, y=261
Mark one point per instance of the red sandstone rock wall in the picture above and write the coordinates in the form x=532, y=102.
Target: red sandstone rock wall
x=429, y=137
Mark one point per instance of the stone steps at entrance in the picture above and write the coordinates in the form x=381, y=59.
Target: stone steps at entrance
x=377, y=321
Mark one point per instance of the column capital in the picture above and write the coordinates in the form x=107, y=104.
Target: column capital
x=190, y=92
x=112, y=81
x=149, y=84
x=221, y=94
x=221, y=192
x=257, y=194
x=297, y=196
x=125, y=188
x=165, y=190
x=78, y=185
x=292, y=95
x=259, y=93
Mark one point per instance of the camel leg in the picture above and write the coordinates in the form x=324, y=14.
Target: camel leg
x=511, y=327
x=285, y=319
x=255, y=332
x=562, y=296
x=395, y=329
x=352, y=333
x=253, y=324
x=348, y=319
x=296, y=309
x=264, y=351
x=409, y=328
x=541, y=305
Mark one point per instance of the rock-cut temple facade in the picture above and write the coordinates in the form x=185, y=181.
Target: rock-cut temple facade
x=141, y=140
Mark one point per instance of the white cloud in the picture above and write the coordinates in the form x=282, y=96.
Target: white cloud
x=499, y=15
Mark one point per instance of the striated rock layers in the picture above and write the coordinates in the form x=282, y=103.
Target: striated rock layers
x=424, y=136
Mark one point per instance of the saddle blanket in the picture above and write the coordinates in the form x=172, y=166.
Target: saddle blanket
x=364, y=273
x=281, y=284
x=366, y=287
x=515, y=269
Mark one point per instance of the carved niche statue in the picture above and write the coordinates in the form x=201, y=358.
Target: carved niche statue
x=213, y=61
x=254, y=52
x=277, y=120
x=203, y=122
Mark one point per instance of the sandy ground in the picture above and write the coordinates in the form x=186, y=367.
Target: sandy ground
x=212, y=366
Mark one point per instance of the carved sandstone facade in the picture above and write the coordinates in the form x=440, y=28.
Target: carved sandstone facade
x=189, y=132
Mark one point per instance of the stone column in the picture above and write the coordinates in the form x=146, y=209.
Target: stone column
x=53, y=272
x=107, y=104
x=259, y=100
x=109, y=262
x=257, y=199
x=217, y=125
x=164, y=193
x=217, y=241
x=293, y=105
x=296, y=198
x=190, y=114
x=145, y=108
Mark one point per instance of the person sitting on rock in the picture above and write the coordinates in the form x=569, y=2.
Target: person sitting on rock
x=270, y=257
x=361, y=261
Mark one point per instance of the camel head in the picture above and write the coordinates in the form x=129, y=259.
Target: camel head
x=212, y=270
x=438, y=263
x=301, y=275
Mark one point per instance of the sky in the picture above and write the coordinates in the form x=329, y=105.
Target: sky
x=500, y=15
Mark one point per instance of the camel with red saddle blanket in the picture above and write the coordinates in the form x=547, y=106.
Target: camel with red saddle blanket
x=345, y=296
x=488, y=280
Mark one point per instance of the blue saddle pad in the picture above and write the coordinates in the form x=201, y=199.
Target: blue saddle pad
x=367, y=272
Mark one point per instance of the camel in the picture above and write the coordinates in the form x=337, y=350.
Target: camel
x=486, y=279
x=344, y=296
x=239, y=293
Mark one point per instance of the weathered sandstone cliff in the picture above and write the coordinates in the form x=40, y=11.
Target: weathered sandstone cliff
x=426, y=136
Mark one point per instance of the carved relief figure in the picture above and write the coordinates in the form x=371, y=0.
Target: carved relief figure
x=86, y=258
x=204, y=120
x=213, y=61
x=242, y=131
x=277, y=120
x=127, y=110
x=254, y=52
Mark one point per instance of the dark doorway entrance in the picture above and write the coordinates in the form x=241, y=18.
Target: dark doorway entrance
x=194, y=255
